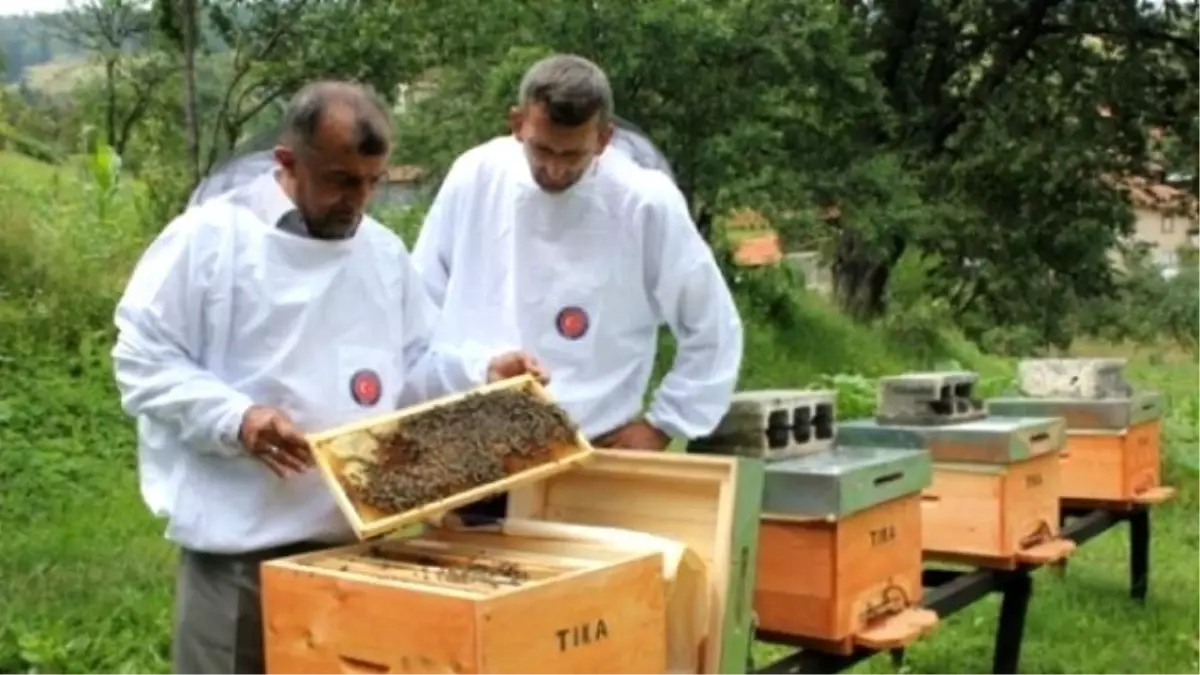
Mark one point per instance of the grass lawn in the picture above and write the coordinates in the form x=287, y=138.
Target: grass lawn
x=86, y=576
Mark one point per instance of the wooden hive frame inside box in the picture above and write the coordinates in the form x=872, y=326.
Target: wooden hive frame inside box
x=495, y=604
x=709, y=503
x=337, y=450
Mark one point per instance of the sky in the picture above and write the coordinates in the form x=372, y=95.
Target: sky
x=9, y=7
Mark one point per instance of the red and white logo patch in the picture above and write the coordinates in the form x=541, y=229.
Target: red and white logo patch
x=572, y=322
x=365, y=388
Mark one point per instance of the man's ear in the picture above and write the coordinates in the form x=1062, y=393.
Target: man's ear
x=516, y=120
x=285, y=157
x=606, y=134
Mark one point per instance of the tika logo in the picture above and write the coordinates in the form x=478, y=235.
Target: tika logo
x=572, y=323
x=365, y=388
x=581, y=635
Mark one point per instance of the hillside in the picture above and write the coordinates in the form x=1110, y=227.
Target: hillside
x=24, y=42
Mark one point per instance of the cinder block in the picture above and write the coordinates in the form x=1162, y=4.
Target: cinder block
x=773, y=424
x=1091, y=379
x=928, y=398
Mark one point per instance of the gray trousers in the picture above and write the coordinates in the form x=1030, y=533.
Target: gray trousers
x=218, y=613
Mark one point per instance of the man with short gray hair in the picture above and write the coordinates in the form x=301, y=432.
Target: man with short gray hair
x=272, y=311
x=542, y=240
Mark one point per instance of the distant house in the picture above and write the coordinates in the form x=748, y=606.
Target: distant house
x=404, y=186
x=1165, y=218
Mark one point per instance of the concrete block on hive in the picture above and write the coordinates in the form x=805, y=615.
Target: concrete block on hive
x=773, y=424
x=1091, y=379
x=928, y=398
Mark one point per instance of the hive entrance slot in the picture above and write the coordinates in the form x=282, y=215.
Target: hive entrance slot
x=888, y=478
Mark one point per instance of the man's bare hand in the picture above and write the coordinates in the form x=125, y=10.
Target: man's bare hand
x=513, y=364
x=269, y=435
x=636, y=435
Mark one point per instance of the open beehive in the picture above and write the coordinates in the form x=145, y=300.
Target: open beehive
x=1114, y=434
x=839, y=563
x=431, y=458
x=631, y=562
x=483, y=603
x=710, y=504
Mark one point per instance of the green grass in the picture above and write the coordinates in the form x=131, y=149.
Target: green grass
x=86, y=577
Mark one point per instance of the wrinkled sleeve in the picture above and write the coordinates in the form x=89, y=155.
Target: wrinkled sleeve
x=694, y=301
x=432, y=252
x=159, y=322
x=433, y=370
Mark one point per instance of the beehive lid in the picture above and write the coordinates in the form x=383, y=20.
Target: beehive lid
x=837, y=483
x=992, y=440
x=710, y=503
x=342, y=454
x=1111, y=414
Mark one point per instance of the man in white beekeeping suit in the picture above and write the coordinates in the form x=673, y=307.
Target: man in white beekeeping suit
x=271, y=311
x=541, y=240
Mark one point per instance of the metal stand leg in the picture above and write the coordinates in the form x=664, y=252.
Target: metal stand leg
x=1017, y=589
x=1060, y=567
x=1139, y=553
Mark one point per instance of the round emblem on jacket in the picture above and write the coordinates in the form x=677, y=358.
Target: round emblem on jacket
x=572, y=322
x=365, y=387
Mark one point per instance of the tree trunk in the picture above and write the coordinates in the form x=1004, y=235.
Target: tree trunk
x=188, y=8
x=110, y=112
x=859, y=278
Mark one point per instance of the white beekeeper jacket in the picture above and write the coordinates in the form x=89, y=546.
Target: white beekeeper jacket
x=583, y=279
x=225, y=309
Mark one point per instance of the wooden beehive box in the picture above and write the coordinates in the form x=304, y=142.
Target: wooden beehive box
x=709, y=503
x=495, y=604
x=839, y=562
x=341, y=453
x=994, y=498
x=1113, y=446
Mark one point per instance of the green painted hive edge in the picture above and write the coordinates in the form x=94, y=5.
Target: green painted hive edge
x=738, y=639
x=866, y=433
x=918, y=480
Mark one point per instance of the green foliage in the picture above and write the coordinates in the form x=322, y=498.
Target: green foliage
x=65, y=246
x=11, y=139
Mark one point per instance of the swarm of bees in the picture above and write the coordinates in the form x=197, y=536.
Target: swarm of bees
x=449, y=449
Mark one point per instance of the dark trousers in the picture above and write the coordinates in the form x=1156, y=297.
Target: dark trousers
x=218, y=612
